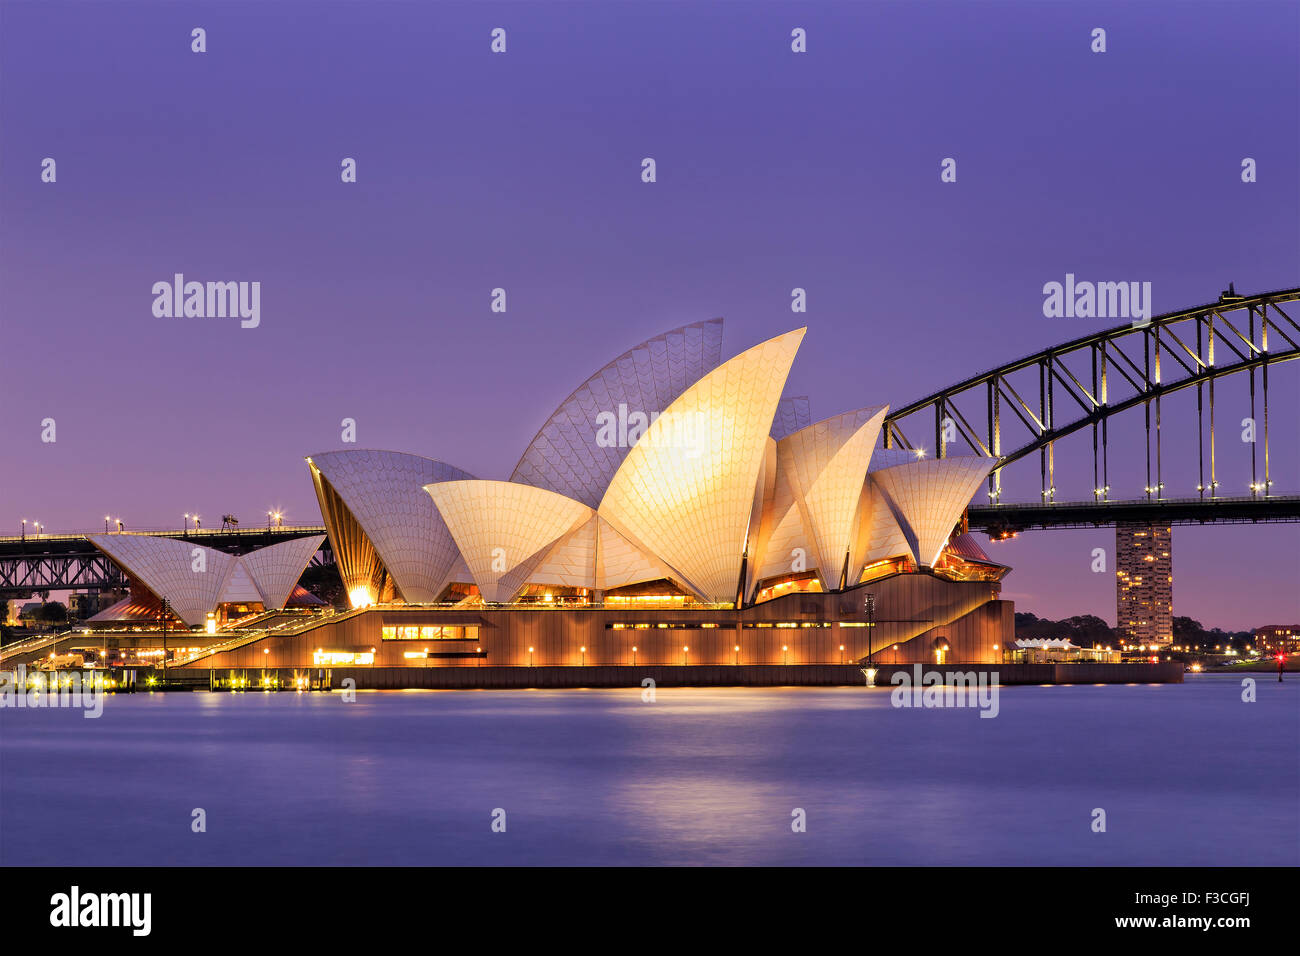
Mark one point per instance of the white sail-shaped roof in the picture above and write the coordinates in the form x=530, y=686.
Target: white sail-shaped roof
x=192, y=584
x=792, y=414
x=239, y=586
x=685, y=491
x=566, y=458
x=171, y=569
x=502, y=527
x=395, y=520
x=928, y=496
x=879, y=534
x=621, y=563
x=571, y=561
x=826, y=465
x=888, y=457
x=277, y=568
x=787, y=550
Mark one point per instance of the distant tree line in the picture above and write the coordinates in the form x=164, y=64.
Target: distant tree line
x=1088, y=630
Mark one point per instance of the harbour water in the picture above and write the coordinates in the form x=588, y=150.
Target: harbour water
x=1186, y=774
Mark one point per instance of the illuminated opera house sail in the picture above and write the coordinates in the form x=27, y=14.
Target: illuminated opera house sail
x=672, y=491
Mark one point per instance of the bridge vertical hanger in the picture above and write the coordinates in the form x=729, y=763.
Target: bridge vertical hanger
x=1042, y=429
x=1200, y=423
x=1049, y=423
x=1096, y=478
x=1105, y=428
x=1160, y=484
x=940, y=446
x=1214, y=481
x=994, y=423
x=1263, y=313
x=1146, y=405
x=1254, y=483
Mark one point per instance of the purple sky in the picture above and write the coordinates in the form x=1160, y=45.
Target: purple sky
x=522, y=170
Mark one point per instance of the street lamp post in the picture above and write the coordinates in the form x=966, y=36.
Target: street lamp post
x=870, y=604
x=163, y=615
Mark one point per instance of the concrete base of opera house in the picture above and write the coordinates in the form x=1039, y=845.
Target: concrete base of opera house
x=917, y=617
x=665, y=676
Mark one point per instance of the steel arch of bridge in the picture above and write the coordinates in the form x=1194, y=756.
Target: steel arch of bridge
x=1142, y=355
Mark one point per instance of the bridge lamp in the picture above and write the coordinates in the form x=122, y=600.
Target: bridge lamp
x=105, y=524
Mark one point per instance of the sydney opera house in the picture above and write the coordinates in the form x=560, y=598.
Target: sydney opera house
x=675, y=509
x=201, y=585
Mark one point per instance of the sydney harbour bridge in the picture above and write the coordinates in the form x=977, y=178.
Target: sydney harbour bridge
x=1142, y=376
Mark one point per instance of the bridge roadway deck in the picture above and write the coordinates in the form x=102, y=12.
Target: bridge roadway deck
x=1090, y=514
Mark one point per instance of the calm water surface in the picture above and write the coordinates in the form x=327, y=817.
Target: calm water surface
x=1186, y=774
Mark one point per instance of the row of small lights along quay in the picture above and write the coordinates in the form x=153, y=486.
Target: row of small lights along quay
x=686, y=652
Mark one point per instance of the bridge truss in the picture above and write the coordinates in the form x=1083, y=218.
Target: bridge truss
x=1081, y=384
